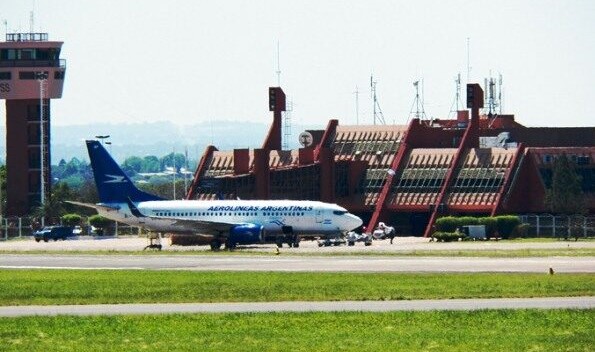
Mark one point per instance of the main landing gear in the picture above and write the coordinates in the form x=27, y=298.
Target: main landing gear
x=216, y=244
x=289, y=237
x=154, y=242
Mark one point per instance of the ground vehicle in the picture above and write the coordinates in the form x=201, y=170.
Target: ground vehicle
x=53, y=233
x=353, y=237
x=327, y=242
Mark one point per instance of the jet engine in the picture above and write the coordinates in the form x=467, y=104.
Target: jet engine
x=246, y=234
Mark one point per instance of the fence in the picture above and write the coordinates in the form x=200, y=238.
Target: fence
x=14, y=227
x=561, y=226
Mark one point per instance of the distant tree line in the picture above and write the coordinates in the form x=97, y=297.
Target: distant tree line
x=73, y=180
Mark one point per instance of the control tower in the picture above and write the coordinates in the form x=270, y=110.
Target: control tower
x=31, y=73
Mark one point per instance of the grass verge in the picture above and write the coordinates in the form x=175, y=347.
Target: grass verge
x=45, y=287
x=493, y=330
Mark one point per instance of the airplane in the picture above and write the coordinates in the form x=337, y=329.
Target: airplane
x=229, y=222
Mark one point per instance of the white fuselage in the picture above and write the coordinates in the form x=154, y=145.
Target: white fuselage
x=303, y=217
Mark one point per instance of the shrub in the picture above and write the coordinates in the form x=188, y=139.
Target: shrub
x=491, y=224
x=506, y=224
x=447, y=236
x=447, y=224
x=99, y=222
x=468, y=220
x=71, y=219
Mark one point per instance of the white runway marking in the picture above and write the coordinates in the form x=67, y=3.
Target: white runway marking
x=66, y=267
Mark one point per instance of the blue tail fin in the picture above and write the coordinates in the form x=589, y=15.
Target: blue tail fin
x=112, y=183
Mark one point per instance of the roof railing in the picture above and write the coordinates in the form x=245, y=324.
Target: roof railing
x=26, y=37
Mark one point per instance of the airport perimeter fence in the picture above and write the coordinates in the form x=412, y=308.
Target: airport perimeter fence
x=560, y=226
x=15, y=227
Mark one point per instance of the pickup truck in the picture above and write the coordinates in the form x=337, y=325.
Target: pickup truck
x=53, y=233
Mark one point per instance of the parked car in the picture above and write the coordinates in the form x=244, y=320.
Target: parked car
x=53, y=233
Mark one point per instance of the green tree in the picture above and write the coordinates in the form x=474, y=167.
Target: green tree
x=151, y=164
x=51, y=210
x=165, y=189
x=565, y=195
x=71, y=219
x=179, y=160
x=132, y=165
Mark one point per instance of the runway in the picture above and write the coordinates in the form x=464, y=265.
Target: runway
x=344, y=306
x=298, y=264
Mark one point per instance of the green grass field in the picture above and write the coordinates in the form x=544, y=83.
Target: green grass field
x=494, y=330
x=28, y=287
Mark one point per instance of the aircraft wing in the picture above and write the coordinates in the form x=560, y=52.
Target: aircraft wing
x=92, y=206
x=199, y=226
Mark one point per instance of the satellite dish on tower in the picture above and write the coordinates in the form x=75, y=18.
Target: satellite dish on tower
x=306, y=139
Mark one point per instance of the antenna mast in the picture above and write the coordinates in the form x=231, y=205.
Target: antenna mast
x=468, y=62
x=278, y=67
x=493, y=95
x=286, y=114
x=377, y=110
x=418, y=103
x=356, y=105
x=500, y=94
x=457, y=103
x=287, y=125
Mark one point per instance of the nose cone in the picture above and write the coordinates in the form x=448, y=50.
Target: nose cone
x=353, y=222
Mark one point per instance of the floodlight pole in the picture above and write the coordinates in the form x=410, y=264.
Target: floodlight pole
x=102, y=138
x=41, y=79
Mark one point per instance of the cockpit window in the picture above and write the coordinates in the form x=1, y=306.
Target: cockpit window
x=339, y=212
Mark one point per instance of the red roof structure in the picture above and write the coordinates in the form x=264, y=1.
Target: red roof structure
x=407, y=174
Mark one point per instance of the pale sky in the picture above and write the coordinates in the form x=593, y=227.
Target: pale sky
x=191, y=61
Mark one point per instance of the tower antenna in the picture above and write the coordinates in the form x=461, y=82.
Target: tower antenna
x=377, y=111
x=457, y=103
x=468, y=62
x=278, y=67
x=356, y=105
x=287, y=125
x=418, y=103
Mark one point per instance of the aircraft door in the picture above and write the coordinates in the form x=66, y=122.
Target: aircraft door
x=318, y=216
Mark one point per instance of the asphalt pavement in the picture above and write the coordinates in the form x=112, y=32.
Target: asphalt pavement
x=343, y=306
x=298, y=263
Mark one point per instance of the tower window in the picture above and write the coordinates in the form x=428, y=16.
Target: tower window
x=26, y=75
x=5, y=76
x=583, y=160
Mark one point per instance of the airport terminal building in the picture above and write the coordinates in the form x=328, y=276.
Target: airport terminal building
x=407, y=175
